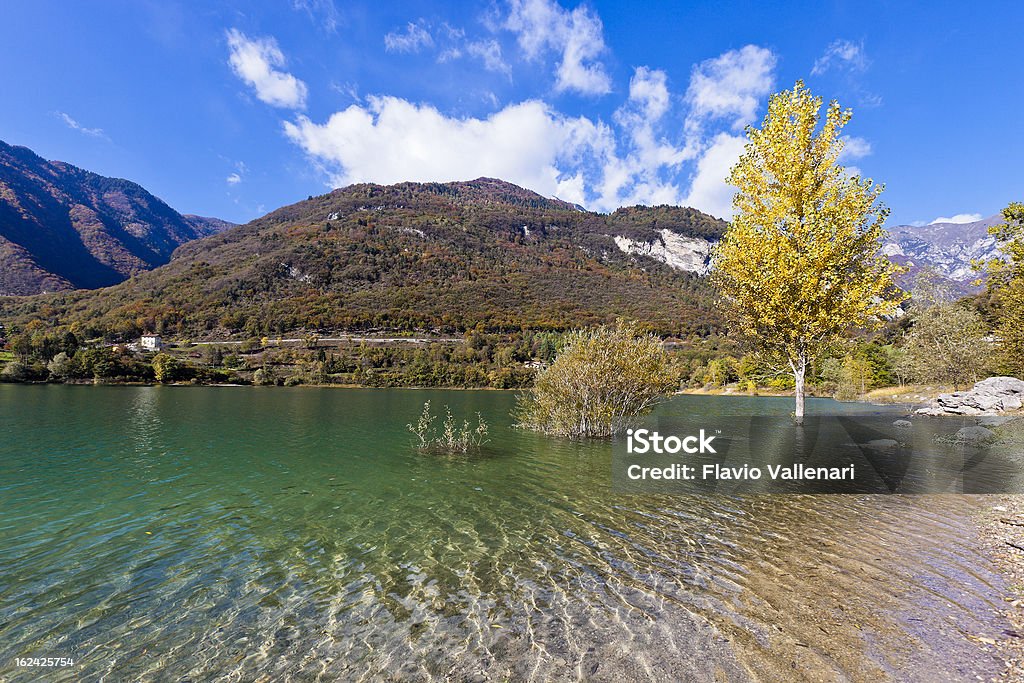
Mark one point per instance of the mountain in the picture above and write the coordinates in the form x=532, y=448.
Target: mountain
x=441, y=256
x=435, y=256
x=62, y=227
x=205, y=225
x=948, y=248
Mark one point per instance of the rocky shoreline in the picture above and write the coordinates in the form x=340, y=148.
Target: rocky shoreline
x=997, y=403
x=1000, y=523
x=1001, y=531
x=992, y=396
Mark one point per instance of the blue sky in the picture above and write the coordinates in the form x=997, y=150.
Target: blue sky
x=235, y=109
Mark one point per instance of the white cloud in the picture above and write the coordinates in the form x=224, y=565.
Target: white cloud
x=348, y=89
x=75, y=125
x=869, y=100
x=253, y=60
x=238, y=175
x=843, y=54
x=854, y=148
x=636, y=178
x=709, y=191
x=392, y=140
x=453, y=32
x=649, y=87
x=959, y=218
x=645, y=156
x=415, y=38
x=731, y=86
x=489, y=52
x=324, y=13
x=543, y=26
x=851, y=61
x=449, y=54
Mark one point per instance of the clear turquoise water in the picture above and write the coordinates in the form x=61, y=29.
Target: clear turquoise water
x=186, y=533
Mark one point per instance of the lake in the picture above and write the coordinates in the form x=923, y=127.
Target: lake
x=193, y=533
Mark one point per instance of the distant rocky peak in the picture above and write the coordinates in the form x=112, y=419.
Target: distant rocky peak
x=947, y=248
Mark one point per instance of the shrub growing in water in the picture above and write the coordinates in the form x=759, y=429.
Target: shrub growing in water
x=451, y=438
x=599, y=384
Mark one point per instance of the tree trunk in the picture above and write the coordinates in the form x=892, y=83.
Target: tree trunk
x=799, y=370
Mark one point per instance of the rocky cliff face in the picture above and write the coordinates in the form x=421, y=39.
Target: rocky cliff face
x=690, y=254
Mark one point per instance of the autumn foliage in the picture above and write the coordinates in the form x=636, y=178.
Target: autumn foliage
x=800, y=264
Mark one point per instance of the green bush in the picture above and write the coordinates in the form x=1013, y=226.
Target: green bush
x=947, y=345
x=262, y=377
x=60, y=367
x=166, y=368
x=16, y=371
x=599, y=384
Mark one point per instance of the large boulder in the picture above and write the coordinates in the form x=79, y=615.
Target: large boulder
x=988, y=397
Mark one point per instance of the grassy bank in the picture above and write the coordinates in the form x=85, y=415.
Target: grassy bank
x=908, y=393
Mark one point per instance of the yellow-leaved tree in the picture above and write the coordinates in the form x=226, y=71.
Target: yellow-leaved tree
x=1006, y=283
x=800, y=264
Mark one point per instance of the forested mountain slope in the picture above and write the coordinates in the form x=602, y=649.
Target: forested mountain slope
x=62, y=227
x=412, y=256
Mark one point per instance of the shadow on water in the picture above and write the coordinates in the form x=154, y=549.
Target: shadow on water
x=158, y=533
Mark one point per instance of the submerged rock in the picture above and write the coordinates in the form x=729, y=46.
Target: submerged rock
x=995, y=420
x=882, y=445
x=988, y=397
x=974, y=435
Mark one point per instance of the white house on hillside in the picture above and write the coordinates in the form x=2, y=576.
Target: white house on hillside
x=151, y=342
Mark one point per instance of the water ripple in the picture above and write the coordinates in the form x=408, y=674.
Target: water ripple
x=293, y=535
